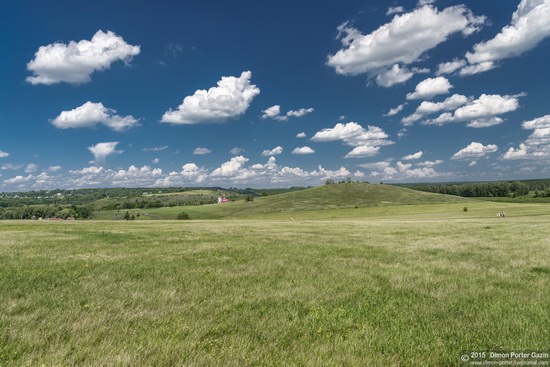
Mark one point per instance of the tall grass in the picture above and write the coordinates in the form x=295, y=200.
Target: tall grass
x=388, y=290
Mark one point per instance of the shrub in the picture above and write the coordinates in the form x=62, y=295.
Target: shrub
x=465, y=209
x=182, y=216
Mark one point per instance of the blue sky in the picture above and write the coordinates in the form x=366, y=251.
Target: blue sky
x=268, y=94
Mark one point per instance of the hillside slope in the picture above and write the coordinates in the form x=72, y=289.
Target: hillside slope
x=337, y=196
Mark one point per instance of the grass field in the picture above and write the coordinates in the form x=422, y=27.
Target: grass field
x=406, y=285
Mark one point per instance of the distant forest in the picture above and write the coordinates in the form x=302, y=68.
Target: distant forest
x=82, y=203
x=539, y=188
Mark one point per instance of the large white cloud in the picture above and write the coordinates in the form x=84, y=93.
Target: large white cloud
x=402, y=41
x=530, y=24
x=76, y=61
x=537, y=145
x=367, y=142
x=4, y=154
x=230, y=99
x=430, y=87
x=475, y=150
x=90, y=114
x=481, y=112
x=103, y=150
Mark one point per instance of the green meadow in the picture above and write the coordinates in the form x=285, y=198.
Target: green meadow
x=350, y=275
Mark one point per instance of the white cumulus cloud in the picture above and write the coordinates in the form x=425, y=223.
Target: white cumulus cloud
x=76, y=61
x=428, y=107
x=537, y=145
x=481, y=112
x=402, y=171
x=230, y=168
x=402, y=41
x=363, y=151
x=103, y=150
x=192, y=172
x=230, y=99
x=475, y=150
x=299, y=113
x=275, y=151
x=393, y=75
x=271, y=112
x=396, y=110
x=367, y=142
x=303, y=150
x=413, y=156
x=529, y=26
x=430, y=163
x=4, y=154
x=274, y=112
x=430, y=87
x=90, y=114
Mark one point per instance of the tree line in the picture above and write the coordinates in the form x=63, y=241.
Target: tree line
x=478, y=189
x=47, y=211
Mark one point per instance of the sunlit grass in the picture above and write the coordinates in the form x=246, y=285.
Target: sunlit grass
x=414, y=286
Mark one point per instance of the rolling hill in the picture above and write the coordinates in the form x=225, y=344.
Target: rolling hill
x=337, y=196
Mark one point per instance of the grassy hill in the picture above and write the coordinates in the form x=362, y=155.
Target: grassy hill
x=337, y=196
